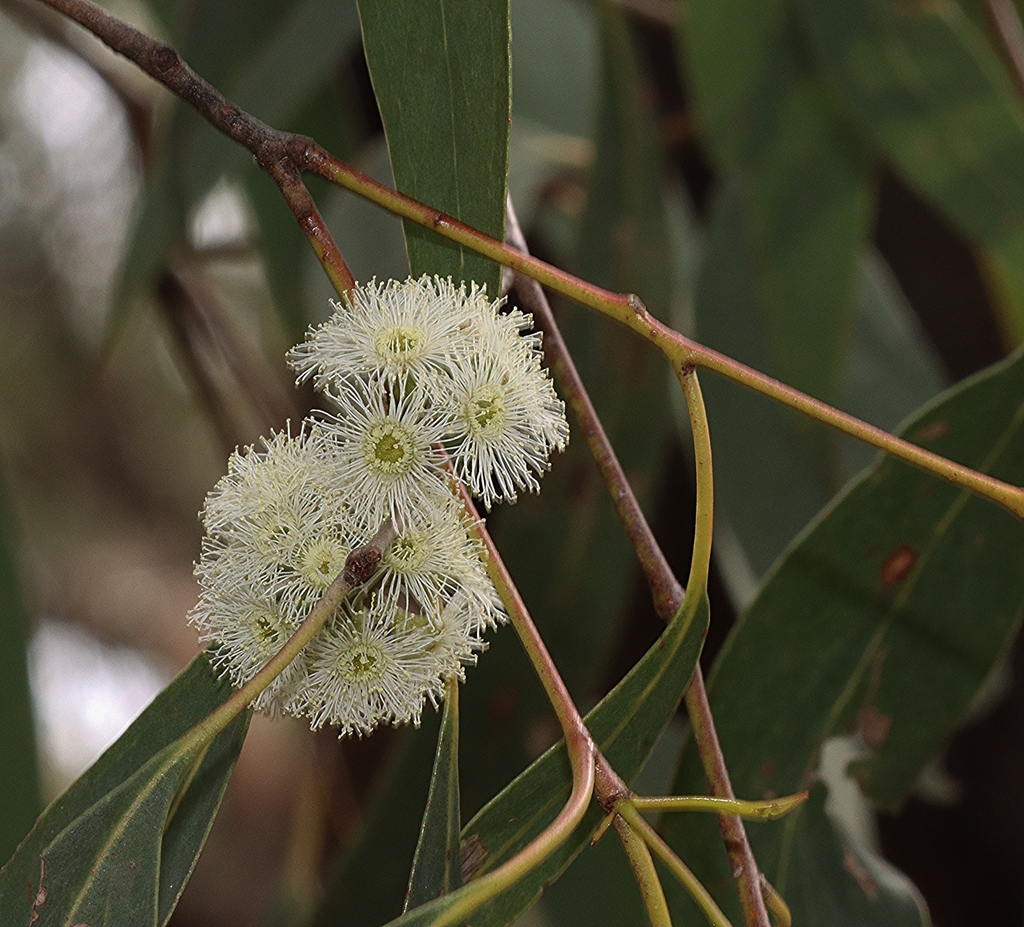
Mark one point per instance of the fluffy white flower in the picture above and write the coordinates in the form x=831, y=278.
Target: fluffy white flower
x=390, y=331
x=435, y=560
x=506, y=421
x=387, y=454
x=278, y=533
x=415, y=371
x=364, y=669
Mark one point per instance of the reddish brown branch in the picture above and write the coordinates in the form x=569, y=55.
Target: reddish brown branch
x=666, y=589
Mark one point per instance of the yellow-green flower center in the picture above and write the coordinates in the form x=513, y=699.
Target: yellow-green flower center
x=265, y=628
x=321, y=560
x=362, y=661
x=389, y=448
x=408, y=553
x=399, y=345
x=485, y=412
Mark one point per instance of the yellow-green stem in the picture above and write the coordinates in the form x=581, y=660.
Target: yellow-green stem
x=741, y=857
x=776, y=904
x=678, y=868
x=700, y=562
x=646, y=875
x=679, y=350
x=752, y=810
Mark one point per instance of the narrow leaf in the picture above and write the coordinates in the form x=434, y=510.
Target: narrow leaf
x=922, y=80
x=886, y=618
x=834, y=880
x=625, y=725
x=119, y=845
x=803, y=175
x=441, y=72
x=888, y=370
x=436, y=867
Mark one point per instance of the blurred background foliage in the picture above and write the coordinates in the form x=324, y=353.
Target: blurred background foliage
x=833, y=194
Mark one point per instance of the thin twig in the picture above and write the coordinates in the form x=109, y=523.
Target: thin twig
x=646, y=875
x=767, y=810
x=665, y=588
x=285, y=157
x=210, y=347
x=679, y=869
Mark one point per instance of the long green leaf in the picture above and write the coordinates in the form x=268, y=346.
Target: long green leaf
x=625, y=725
x=437, y=867
x=766, y=499
x=934, y=96
x=119, y=845
x=441, y=72
x=886, y=617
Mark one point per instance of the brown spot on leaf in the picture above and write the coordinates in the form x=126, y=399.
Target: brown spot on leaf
x=474, y=855
x=897, y=565
x=853, y=866
x=873, y=726
x=40, y=897
x=931, y=432
x=979, y=539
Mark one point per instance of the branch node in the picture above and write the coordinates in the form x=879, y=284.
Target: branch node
x=164, y=59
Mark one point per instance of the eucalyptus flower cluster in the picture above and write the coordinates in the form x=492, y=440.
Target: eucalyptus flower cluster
x=429, y=385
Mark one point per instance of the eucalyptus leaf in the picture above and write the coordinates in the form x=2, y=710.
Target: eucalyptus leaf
x=437, y=865
x=883, y=619
x=803, y=175
x=119, y=845
x=625, y=725
x=441, y=71
x=924, y=83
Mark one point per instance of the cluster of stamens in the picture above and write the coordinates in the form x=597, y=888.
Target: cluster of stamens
x=428, y=384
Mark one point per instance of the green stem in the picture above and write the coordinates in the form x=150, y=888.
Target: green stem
x=678, y=868
x=700, y=562
x=741, y=857
x=646, y=875
x=776, y=904
x=752, y=810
